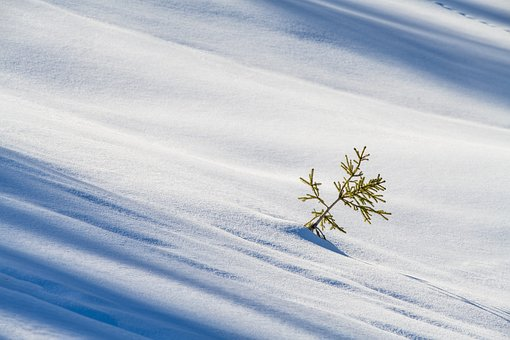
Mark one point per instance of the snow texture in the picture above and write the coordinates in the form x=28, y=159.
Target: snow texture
x=150, y=153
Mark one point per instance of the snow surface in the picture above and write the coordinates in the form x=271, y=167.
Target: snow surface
x=150, y=153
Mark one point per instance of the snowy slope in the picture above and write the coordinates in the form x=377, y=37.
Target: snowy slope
x=150, y=151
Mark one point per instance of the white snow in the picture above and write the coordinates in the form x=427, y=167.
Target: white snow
x=150, y=153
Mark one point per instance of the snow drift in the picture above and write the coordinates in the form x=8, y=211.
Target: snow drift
x=150, y=153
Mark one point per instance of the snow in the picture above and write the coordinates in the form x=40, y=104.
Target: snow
x=150, y=155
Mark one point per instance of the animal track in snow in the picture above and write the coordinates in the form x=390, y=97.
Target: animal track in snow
x=462, y=13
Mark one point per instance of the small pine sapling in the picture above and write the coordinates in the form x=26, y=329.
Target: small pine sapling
x=355, y=191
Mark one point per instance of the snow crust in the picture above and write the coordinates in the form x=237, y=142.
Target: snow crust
x=150, y=153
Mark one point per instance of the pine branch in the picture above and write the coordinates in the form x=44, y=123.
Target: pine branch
x=354, y=191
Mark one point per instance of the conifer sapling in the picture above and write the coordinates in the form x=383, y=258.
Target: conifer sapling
x=355, y=191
